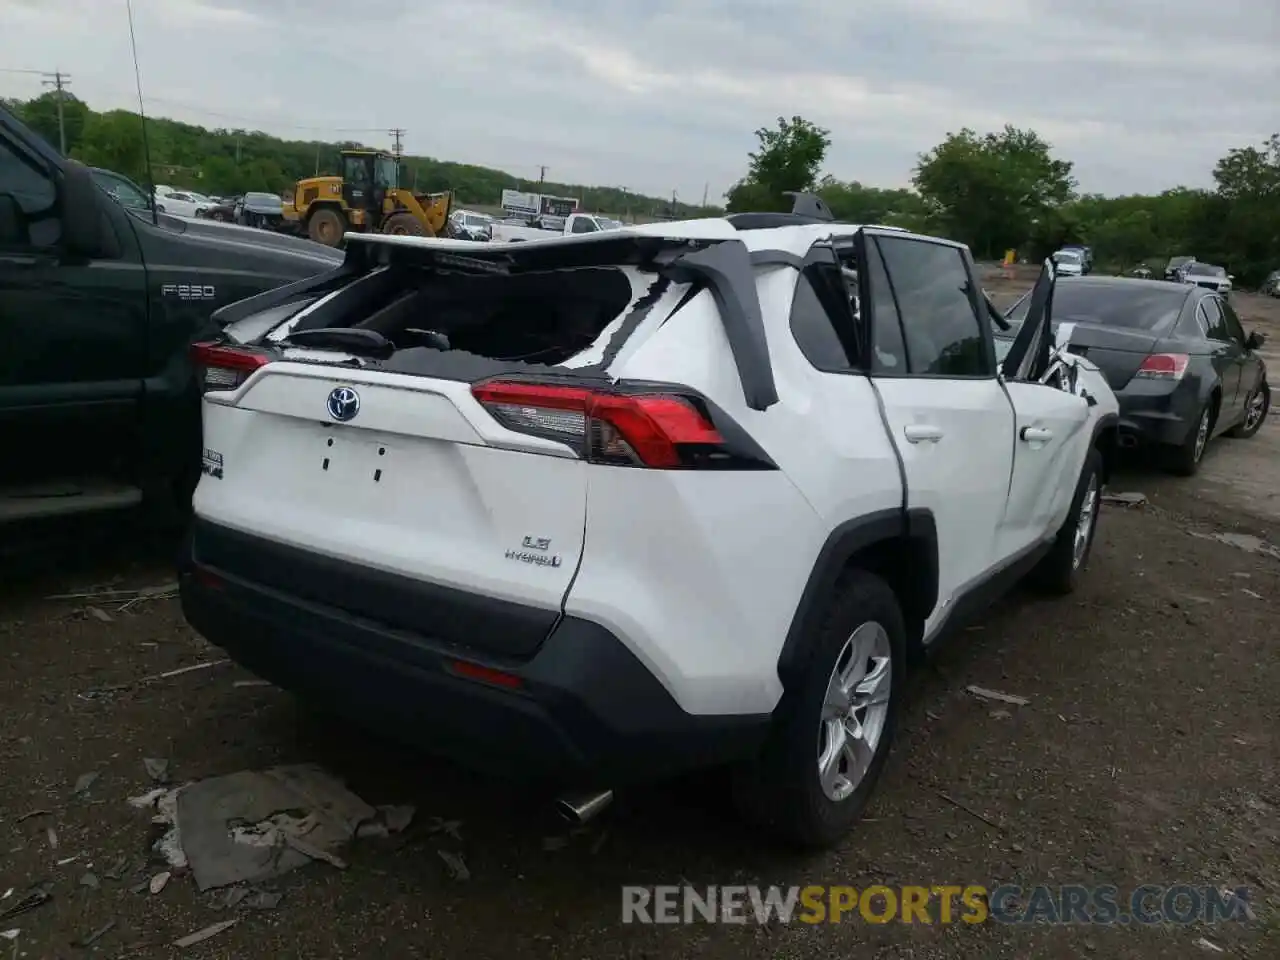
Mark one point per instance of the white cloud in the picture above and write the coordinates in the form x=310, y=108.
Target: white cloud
x=665, y=95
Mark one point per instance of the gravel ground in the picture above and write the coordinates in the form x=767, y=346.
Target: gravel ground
x=1146, y=754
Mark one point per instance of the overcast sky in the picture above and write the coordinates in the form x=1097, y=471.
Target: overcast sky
x=657, y=95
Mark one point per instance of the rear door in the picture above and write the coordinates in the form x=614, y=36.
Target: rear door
x=933, y=364
x=1228, y=358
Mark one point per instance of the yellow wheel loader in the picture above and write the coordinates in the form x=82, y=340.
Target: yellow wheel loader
x=367, y=197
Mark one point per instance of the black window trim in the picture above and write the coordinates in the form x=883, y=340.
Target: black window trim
x=820, y=253
x=984, y=324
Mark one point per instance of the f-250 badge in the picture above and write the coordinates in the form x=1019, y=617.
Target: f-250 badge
x=189, y=291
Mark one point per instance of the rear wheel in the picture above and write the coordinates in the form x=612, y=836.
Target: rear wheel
x=326, y=226
x=404, y=225
x=832, y=736
x=1255, y=412
x=1185, y=460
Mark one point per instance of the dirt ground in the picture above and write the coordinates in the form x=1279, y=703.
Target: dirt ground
x=1146, y=754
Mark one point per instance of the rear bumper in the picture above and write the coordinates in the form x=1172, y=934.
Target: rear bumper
x=585, y=711
x=1155, y=412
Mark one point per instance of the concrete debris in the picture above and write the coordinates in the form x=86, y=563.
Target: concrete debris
x=263, y=900
x=455, y=864
x=212, y=930
x=10, y=934
x=147, y=800
x=94, y=937
x=1125, y=499
x=1251, y=593
x=251, y=826
x=52, y=836
x=399, y=818
x=99, y=614
x=157, y=769
x=983, y=693
x=1241, y=541
x=83, y=783
x=1204, y=944
x=247, y=826
x=159, y=881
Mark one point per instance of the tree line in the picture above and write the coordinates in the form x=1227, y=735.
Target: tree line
x=1006, y=190
x=230, y=162
x=994, y=191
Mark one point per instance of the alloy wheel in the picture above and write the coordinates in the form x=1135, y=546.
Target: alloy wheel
x=1202, y=436
x=1084, y=523
x=855, y=710
x=1257, y=409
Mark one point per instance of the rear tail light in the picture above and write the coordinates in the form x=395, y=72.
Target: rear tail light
x=662, y=430
x=1164, y=366
x=222, y=367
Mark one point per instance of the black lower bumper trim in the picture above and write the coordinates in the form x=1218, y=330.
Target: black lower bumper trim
x=449, y=615
x=586, y=711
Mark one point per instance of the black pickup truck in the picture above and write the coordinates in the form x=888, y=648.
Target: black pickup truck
x=99, y=305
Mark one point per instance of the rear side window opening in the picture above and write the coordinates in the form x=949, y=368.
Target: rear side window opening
x=399, y=316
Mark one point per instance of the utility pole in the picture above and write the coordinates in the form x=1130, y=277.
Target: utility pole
x=59, y=81
x=705, y=190
x=542, y=175
x=396, y=151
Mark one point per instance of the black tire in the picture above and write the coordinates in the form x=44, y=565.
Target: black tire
x=1245, y=430
x=404, y=225
x=1062, y=568
x=326, y=226
x=781, y=789
x=1185, y=460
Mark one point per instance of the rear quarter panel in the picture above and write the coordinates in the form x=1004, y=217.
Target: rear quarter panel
x=700, y=573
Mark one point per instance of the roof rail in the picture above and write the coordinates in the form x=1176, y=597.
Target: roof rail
x=809, y=205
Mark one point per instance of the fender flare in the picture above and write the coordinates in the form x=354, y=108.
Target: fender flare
x=843, y=543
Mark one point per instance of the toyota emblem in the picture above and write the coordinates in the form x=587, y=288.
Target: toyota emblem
x=343, y=404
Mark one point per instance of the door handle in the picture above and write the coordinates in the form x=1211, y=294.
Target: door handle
x=920, y=432
x=1036, y=434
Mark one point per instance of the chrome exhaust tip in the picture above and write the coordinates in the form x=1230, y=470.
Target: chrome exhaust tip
x=578, y=809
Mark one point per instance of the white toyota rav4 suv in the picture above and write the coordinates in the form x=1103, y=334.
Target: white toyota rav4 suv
x=608, y=507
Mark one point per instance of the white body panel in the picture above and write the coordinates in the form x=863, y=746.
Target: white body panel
x=455, y=490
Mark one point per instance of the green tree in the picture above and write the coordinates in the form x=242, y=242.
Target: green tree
x=41, y=114
x=114, y=140
x=787, y=159
x=988, y=190
x=852, y=202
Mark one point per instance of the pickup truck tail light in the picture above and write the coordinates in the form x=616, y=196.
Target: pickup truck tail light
x=1164, y=366
x=658, y=428
x=222, y=367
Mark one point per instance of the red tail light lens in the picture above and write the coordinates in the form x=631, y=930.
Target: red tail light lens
x=661, y=430
x=1164, y=366
x=222, y=367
